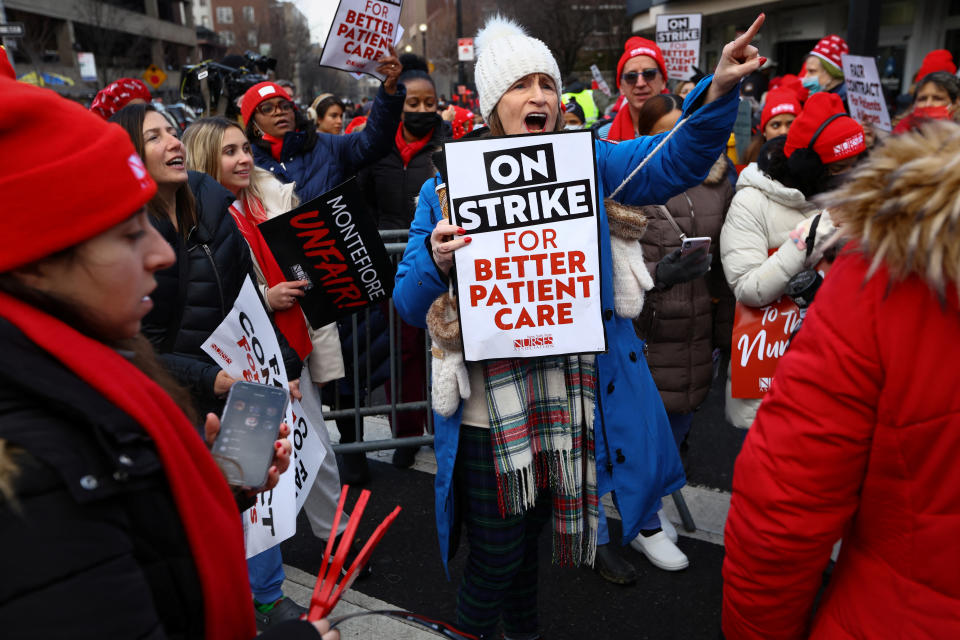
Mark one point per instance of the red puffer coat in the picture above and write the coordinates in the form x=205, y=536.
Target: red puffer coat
x=858, y=438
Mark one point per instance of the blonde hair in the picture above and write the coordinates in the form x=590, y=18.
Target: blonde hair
x=204, y=143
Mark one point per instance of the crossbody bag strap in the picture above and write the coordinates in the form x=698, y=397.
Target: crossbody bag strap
x=669, y=218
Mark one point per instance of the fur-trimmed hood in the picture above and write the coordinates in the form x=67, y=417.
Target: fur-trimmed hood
x=718, y=172
x=903, y=205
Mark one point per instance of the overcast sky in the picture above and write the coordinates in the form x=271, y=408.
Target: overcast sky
x=319, y=16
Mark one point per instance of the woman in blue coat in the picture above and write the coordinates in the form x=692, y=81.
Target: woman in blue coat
x=285, y=142
x=611, y=400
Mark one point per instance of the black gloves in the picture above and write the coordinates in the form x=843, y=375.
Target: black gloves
x=674, y=269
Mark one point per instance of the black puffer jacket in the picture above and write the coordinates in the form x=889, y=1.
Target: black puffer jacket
x=391, y=189
x=195, y=294
x=97, y=547
x=93, y=546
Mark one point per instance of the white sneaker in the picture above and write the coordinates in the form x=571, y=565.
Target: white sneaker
x=667, y=526
x=661, y=552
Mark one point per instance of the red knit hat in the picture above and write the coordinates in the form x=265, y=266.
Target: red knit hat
x=117, y=95
x=6, y=69
x=830, y=49
x=61, y=185
x=792, y=82
x=637, y=46
x=936, y=60
x=259, y=93
x=779, y=101
x=842, y=138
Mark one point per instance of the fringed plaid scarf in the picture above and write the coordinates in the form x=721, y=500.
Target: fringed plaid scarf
x=541, y=421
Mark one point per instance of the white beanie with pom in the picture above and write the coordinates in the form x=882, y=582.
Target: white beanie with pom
x=505, y=53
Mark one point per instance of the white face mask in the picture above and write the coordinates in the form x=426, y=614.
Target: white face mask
x=573, y=127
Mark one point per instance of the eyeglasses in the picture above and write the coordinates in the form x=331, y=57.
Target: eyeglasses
x=268, y=108
x=631, y=76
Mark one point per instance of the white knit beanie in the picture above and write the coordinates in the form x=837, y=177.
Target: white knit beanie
x=505, y=54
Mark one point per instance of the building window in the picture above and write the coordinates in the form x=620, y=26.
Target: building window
x=252, y=38
x=248, y=14
x=227, y=38
x=225, y=15
x=203, y=3
x=205, y=21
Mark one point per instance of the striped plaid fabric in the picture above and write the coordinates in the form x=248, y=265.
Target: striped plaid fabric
x=541, y=421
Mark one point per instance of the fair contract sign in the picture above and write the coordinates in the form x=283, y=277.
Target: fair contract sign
x=529, y=281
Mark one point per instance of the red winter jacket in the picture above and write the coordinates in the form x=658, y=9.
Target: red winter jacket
x=859, y=436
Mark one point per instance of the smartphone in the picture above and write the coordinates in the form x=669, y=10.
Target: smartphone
x=692, y=244
x=248, y=428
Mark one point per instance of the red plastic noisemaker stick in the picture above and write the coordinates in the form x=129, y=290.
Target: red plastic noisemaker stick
x=319, y=605
x=362, y=557
x=328, y=552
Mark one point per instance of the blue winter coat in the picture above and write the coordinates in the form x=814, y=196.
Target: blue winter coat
x=334, y=158
x=637, y=458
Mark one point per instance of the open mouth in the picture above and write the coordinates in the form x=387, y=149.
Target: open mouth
x=535, y=122
x=177, y=163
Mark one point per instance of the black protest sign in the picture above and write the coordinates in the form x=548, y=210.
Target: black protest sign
x=332, y=242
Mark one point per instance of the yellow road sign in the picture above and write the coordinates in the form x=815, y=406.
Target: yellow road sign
x=154, y=75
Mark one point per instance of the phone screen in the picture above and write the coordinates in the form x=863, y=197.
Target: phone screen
x=248, y=429
x=692, y=244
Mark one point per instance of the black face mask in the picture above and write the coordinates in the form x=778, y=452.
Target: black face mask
x=420, y=123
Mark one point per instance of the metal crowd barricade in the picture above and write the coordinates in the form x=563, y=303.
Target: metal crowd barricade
x=364, y=397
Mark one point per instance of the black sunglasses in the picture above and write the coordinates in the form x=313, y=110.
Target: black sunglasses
x=631, y=76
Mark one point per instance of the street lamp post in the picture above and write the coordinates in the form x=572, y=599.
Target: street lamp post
x=423, y=33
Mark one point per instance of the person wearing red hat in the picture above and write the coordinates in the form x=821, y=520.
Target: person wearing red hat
x=936, y=60
x=641, y=74
x=764, y=238
x=99, y=450
x=780, y=109
x=823, y=143
x=286, y=143
x=823, y=68
x=117, y=95
x=791, y=82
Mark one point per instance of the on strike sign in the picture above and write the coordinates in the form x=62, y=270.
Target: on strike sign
x=679, y=39
x=361, y=32
x=333, y=244
x=529, y=282
x=864, y=91
x=246, y=347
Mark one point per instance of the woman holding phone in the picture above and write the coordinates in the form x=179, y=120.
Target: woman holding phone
x=600, y=399
x=99, y=450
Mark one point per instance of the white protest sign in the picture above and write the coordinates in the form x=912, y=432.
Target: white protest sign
x=598, y=78
x=465, y=49
x=679, y=38
x=361, y=32
x=529, y=281
x=864, y=91
x=246, y=347
x=88, y=66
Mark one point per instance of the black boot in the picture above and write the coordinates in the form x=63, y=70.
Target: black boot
x=612, y=567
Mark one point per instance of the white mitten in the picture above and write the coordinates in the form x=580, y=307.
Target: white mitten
x=630, y=277
x=449, y=381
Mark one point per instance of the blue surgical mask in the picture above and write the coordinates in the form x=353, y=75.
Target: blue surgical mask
x=811, y=84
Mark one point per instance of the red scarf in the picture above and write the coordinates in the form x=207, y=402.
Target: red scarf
x=622, y=126
x=409, y=149
x=276, y=145
x=290, y=321
x=206, y=506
